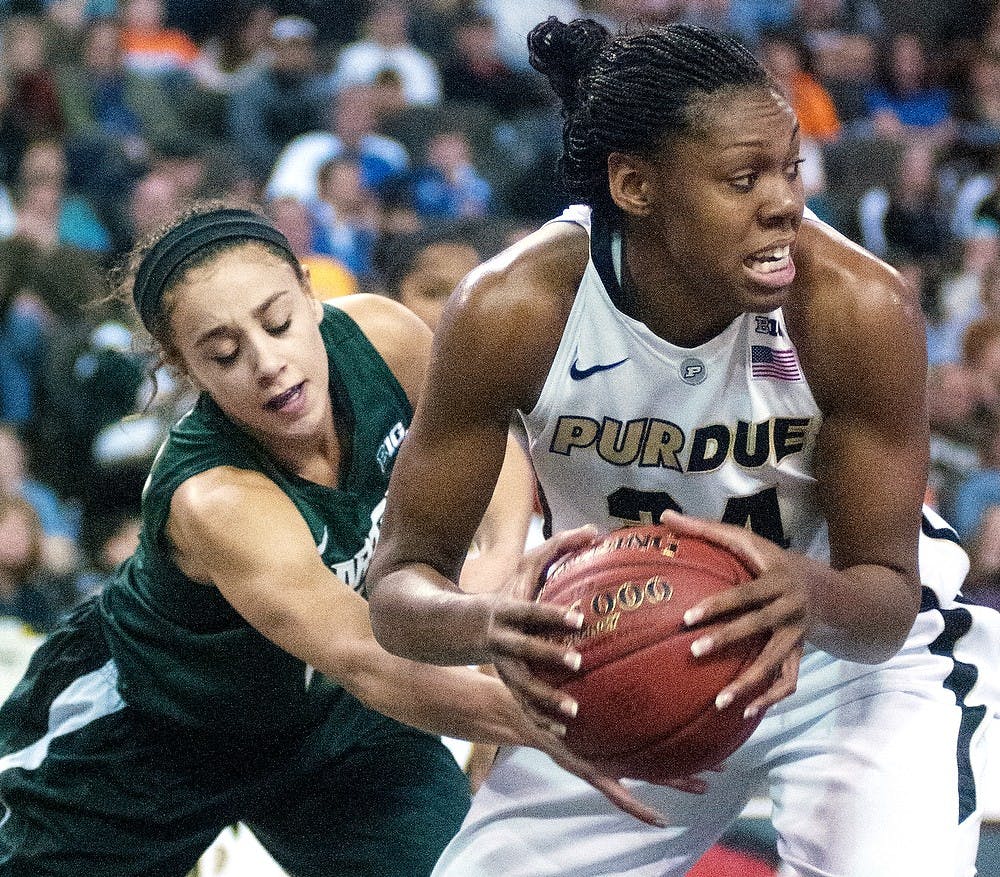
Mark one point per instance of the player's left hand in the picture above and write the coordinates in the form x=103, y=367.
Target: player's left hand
x=775, y=602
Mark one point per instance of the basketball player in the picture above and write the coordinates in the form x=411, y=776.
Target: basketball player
x=686, y=343
x=229, y=672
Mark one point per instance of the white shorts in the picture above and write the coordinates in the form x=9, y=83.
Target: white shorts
x=873, y=771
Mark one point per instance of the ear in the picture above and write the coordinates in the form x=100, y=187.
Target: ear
x=629, y=181
x=307, y=291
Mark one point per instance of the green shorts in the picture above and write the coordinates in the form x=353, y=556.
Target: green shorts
x=88, y=785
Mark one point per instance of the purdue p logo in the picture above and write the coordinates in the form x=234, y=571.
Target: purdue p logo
x=693, y=370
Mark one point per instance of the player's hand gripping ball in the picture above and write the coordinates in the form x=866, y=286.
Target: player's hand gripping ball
x=647, y=705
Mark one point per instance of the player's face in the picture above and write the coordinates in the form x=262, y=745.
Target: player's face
x=248, y=334
x=729, y=201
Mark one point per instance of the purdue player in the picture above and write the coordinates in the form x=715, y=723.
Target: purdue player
x=667, y=355
x=229, y=671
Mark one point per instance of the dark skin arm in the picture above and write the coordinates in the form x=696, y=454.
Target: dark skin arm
x=492, y=352
x=859, y=332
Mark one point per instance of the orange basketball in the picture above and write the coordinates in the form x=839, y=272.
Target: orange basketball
x=647, y=705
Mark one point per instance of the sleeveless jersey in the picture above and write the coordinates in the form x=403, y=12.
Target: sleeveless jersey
x=628, y=424
x=181, y=650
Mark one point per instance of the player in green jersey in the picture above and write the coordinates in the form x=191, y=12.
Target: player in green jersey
x=229, y=672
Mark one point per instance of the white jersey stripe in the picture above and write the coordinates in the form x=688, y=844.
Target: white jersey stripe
x=84, y=701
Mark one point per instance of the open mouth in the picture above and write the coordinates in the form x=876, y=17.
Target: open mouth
x=282, y=400
x=770, y=260
x=772, y=267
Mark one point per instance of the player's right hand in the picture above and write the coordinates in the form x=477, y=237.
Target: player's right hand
x=521, y=632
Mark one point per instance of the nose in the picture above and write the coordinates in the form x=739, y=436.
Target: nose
x=782, y=203
x=269, y=359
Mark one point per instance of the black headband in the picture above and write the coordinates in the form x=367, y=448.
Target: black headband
x=186, y=239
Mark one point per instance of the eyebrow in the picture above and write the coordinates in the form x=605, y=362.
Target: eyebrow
x=223, y=332
x=761, y=141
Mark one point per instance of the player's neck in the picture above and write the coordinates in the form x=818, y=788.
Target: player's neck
x=656, y=295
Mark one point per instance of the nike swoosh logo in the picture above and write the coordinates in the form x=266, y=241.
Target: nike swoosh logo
x=322, y=542
x=578, y=374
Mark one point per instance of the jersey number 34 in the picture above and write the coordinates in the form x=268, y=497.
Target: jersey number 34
x=759, y=511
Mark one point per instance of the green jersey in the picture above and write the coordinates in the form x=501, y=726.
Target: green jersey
x=181, y=650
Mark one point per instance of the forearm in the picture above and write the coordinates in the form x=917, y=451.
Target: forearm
x=420, y=614
x=457, y=702
x=862, y=613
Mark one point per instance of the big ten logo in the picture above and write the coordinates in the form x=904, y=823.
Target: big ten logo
x=628, y=597
x=767, y=326
x=390, y=444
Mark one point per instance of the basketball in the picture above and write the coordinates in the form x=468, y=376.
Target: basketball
x=647, y=705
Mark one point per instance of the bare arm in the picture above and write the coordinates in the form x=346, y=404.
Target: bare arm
x=871, y=465
x=861, y=342
x=491, y=354
x=501, y=535
x=254, y=546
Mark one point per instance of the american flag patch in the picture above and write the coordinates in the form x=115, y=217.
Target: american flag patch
x=777, y=365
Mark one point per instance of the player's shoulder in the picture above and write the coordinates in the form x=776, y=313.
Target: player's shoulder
x=399, y=336
x=531, y=283
x=856, y=323
x=840, y=286
x=217, y=493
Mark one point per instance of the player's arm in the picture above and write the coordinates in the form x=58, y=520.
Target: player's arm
x=862, y=348
x=492, y=350
x=404, y=342
x=236, y=530
x=868, y=353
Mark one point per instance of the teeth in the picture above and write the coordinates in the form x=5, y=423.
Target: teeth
x=776, y=253
x=771, y=260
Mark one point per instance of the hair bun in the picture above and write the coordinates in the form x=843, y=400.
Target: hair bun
x=564, y=52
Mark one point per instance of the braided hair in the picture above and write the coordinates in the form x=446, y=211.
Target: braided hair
x=630, y=92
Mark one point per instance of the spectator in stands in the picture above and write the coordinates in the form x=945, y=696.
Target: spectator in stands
x=46, y=212
x=328, y=277
x=155, y=198
x=978, y=499
x=422, y=269
x=286, y=98
x=957, y=396
x=57, y=548
x=910, y=215
x=22, y=340
x=184, y=159
x=238, y=49
x=514, y=18
x=150, y=47
x=970, y=291
x=386, y=45
x=787, y=59
x=70, y=16
x=979, y=109
x=110, y=106
x=908, y=102
x=476, y=71
x=347, y=218
x=447, y=185
x=353, y=117
x=22, y=594
x=109, y=535
x=33, y=99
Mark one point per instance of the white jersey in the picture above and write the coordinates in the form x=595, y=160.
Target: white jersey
x=872, y=769
x=726, y=431
x=628, y=424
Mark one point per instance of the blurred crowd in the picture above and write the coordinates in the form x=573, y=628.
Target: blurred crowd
x=397, y=144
